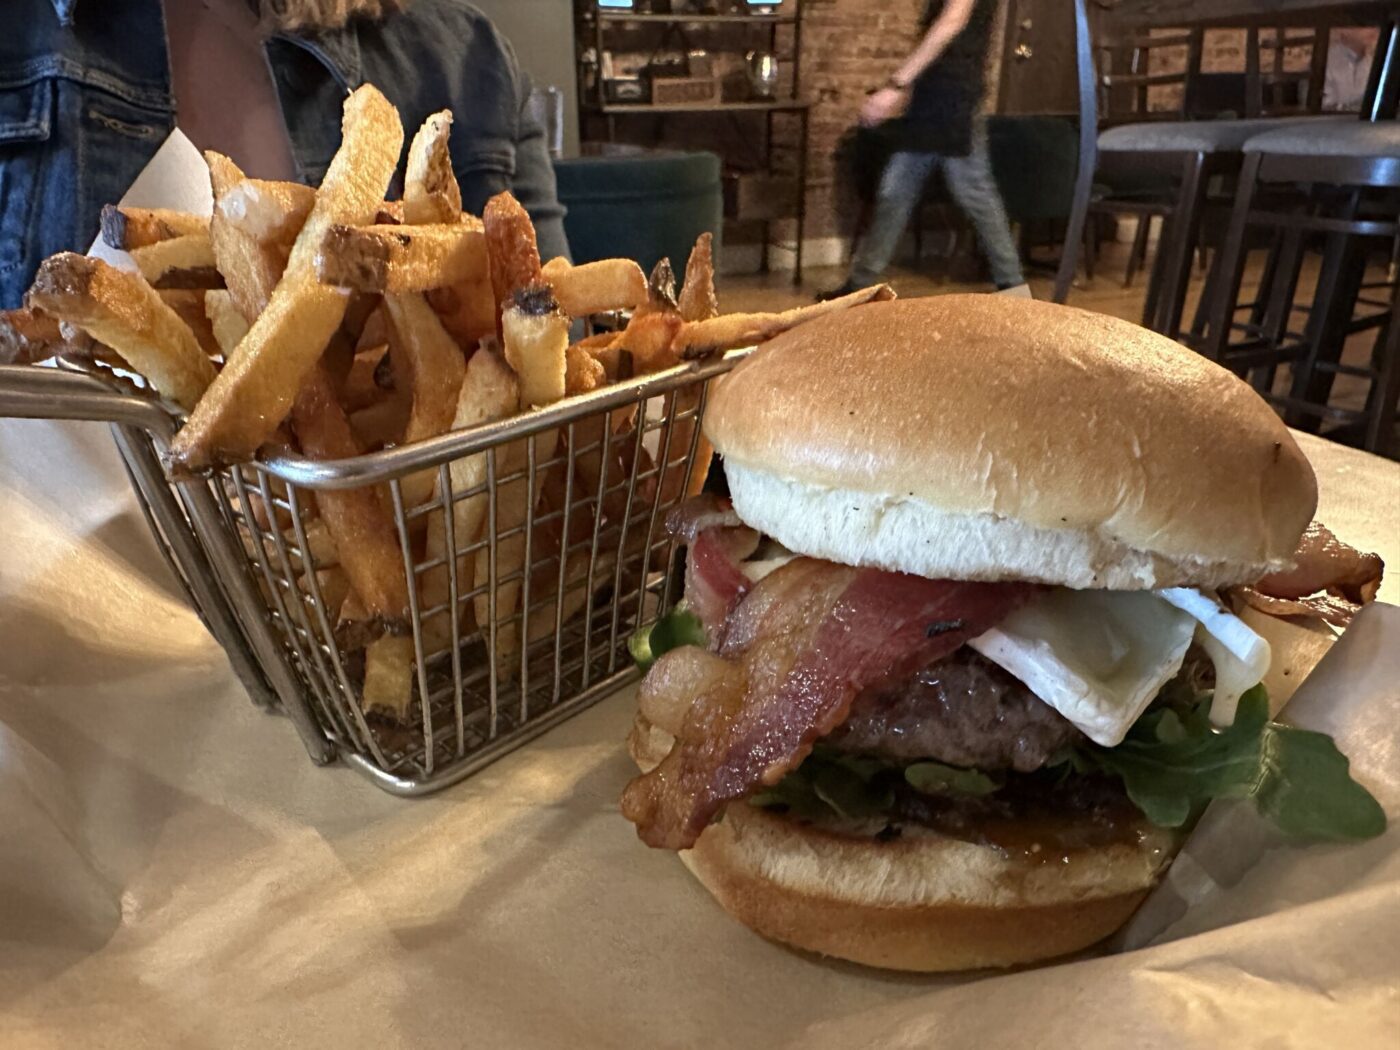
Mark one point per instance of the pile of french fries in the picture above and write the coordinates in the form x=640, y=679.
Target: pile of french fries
x=334, y=322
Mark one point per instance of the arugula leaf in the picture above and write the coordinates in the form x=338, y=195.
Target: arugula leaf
x=934, y=778
x=1306, y=789
x=1173, y=765
x=831, y=782
x=793, y=794
x=677, y=628
x=848, y=793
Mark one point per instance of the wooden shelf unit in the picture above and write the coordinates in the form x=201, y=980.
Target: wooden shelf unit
x=621, y=121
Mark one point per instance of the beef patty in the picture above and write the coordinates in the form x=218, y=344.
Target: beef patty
x=963, y=710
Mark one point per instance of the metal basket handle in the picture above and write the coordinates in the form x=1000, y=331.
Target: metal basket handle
x=30, y=392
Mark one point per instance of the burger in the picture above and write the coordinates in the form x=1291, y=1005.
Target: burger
x=960, y=663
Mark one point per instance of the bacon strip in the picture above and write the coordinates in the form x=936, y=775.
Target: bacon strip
x=1325, y=563
x=718, y=542
x=713, y=583
x=1333, y=610
x=861, y=627
x=706, y=511
x=1330, y=579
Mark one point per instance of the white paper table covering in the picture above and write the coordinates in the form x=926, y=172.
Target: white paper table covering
x=174, y=871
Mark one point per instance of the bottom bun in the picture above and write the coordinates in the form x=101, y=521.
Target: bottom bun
x=922, y=901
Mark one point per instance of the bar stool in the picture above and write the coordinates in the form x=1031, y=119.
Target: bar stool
x=1349, y=172
x=1189, y=153
x=1182, y=157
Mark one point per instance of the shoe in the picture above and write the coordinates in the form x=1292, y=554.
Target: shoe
x=1019, y=291
x=835, y=293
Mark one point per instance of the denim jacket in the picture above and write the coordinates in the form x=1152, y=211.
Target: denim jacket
x=85, y=100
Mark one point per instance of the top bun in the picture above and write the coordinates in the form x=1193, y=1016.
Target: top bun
x=986, y=437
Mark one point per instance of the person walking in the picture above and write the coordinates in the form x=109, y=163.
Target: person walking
x=932, y=102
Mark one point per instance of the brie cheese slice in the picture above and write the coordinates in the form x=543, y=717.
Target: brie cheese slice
x=1097, y=657
x=1100, y=657
x=1241, y=657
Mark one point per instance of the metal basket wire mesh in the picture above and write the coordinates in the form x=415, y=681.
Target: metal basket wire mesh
x=510, y=632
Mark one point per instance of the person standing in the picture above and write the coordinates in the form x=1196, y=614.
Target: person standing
x=932, y=101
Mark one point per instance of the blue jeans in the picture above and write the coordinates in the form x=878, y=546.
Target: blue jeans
x=975, y=192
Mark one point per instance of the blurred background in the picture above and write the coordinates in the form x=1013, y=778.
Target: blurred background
x=1223, y=171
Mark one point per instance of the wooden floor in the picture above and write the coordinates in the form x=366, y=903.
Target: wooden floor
x=1105, y=294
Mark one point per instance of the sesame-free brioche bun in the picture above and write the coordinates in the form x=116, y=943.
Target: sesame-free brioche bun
x=923, y=901
x=986, y=437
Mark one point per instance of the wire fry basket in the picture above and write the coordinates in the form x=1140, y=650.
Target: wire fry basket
x=497, y=656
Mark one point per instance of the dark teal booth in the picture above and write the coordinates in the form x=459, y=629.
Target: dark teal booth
x=640, y=204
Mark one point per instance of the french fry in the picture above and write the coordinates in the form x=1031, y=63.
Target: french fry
x=270, y=212
x=268, y=516
x=598, y=287
x=319, y=545
x=127, y=228
x=181, y=262
x=354, y=629
x=514, y=499
x=390, y=213
x=650, y=335
x=536, y=341
x=697, y=302
x=542, y=616
x=339, y=356
x=582, y=371
x=375, y=333
x=334, y=586
x=389, y=667
x=661, y=289
x=362, y=387
x=430, y=190
x=254, y=392
x=28, y=336
x=490, y=392
x=650, y=339
x=226, y=320
x=556, y=268
x=436, y=370
x=402, y=258
x=251, y=269
x=466, y=310
x=384, y=422
x=120, y=309
x=189, y=304
x=358, y=520
x=732, y=331
x=513, y=252
x=603, y=348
